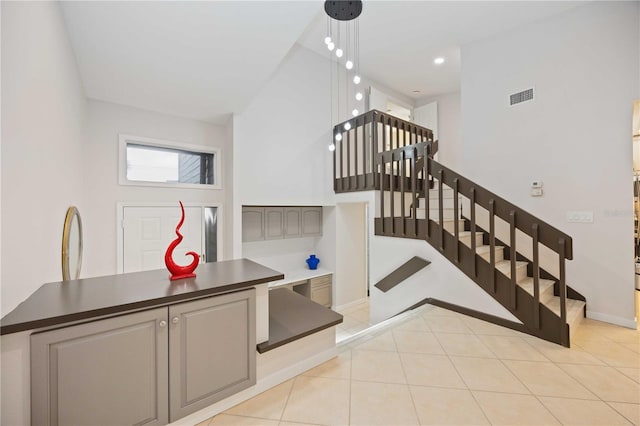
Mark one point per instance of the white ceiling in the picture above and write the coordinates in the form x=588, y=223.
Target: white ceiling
x=205, y=60
x=201, y=60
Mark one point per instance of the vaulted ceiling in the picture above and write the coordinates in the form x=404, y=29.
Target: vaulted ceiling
x=205, y=60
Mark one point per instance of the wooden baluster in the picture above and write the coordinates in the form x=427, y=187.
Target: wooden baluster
x=403, y=172
x=355, y=153
x=349, y=159
x=375, y=151
x=414, y=191
x=513, y=255
x=425, y=186
x=563, y=291
x=472, y=205
x=440, y=212
x=335, y=164
x=392, y=197
x=536, y=277
x=456, y=225
x=492, y=243
x=340, y=146
x=382, y=166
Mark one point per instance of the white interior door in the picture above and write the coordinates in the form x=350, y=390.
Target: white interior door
x=149, y=230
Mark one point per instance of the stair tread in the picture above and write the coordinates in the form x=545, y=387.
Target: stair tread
x=505, y=265
x=486, y=249
x=527, y=284
x=574, y=307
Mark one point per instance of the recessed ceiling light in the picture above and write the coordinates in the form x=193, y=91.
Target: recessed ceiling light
x=438, y=61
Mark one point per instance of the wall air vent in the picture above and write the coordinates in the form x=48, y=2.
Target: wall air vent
x=524, y=96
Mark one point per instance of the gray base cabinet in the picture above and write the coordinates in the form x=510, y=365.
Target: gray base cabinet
x=145, y=368
x=109, y=372
x=211, y=350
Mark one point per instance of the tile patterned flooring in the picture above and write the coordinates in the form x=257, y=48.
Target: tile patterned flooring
x=355, y=320
x=440, y=367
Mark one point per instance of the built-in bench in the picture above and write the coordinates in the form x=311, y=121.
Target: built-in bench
x=293, y=316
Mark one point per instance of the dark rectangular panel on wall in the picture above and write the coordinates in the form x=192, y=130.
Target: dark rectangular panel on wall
x=403, y=272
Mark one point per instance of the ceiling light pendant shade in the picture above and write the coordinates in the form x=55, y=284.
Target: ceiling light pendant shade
x=356, y=79
x=355, y=112
x=343, y=10
x=339, y=52
x=358, y=96
x=347, y=126
x=332, y=147
x=349, y=65
x=338, y=137
x=327, y=40
x=331, y=46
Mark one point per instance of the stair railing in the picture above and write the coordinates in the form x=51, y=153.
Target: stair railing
x=398, y=217
x=362, y=138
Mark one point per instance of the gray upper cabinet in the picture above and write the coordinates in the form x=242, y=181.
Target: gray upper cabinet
x=292, y=222
x=211, y=350
x=112, y=371
x=252, y=224
x=311, y=221
x=273, y=223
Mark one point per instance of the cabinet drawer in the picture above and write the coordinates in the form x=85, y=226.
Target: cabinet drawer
x=321, y=294
x=323, y=280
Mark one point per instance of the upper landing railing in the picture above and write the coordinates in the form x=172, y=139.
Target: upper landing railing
x=363, y=138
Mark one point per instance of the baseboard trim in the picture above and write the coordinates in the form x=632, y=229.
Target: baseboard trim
x=473, y=313
x=613, y=319
x=349, y=305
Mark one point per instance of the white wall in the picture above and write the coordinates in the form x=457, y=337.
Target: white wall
x=449, y=128
x=351, y=253
x=575, y=136
x=104, y=122
x=281, y=139
x=43, y=110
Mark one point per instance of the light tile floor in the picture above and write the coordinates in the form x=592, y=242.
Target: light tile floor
x=356, y=320
x=440, y=367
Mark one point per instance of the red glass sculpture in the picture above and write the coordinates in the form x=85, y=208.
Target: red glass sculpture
x=179, y=272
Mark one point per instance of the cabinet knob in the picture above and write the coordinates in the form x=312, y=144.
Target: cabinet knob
x=162, y=324
x=175, y=320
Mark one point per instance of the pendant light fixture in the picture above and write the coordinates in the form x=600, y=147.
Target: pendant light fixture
x=343, y=39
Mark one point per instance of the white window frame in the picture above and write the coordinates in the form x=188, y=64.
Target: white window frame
x=140, y=140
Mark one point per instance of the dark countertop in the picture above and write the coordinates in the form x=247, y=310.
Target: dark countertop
x=67, y=301
x=293, y=316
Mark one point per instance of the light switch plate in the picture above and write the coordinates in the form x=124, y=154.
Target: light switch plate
x=536, y=192
x=536, y=183
x=580, y=216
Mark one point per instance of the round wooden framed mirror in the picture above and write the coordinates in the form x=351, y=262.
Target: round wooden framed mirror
x=71, y=245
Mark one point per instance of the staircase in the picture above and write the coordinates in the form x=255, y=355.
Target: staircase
x=515, y=257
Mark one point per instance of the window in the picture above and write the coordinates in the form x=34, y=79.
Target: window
x=153, y=162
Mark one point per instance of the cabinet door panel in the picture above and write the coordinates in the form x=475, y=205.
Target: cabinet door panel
x=292, y=222
x=212, y=347
x=112, y=371
x=252, y=224
x=273, y=223
x=311, y=221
